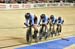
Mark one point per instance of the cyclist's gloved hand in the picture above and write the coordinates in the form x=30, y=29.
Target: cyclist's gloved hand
x=26, y=24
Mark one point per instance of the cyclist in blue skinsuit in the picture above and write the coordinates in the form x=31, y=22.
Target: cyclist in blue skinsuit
x=52, y=22
x=60, y=22
x=31, y=19
x=44, y=21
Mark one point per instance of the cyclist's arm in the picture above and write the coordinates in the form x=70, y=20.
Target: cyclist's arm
x=26, y=23
x=53, y=21
x=46, y=21
x=32, y=19
x=62, y=21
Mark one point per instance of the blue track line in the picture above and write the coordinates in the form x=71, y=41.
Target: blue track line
x=56, y=44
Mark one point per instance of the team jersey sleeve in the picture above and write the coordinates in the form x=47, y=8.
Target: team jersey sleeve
x=62, y=21
x=46, y=20
x=54, y=20
x=27, y=22
x=32, y=19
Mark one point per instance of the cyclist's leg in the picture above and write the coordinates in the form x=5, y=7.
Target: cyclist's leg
x=46, y=32
x=40, y=33
x=46, y=28
x=35, y=31
x=52, y=29
x=60, y=28
x=57, y=29
x=49, y=30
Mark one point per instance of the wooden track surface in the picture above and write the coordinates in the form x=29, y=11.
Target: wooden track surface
x=70, y=47
x=12, y=31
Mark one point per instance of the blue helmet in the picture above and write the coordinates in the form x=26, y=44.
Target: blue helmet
x=27, y=15
x=52, y=16
x=59, y=18
x=42, y=16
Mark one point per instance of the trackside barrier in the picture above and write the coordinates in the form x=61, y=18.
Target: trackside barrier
x=35, y=5
x=39, y=5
